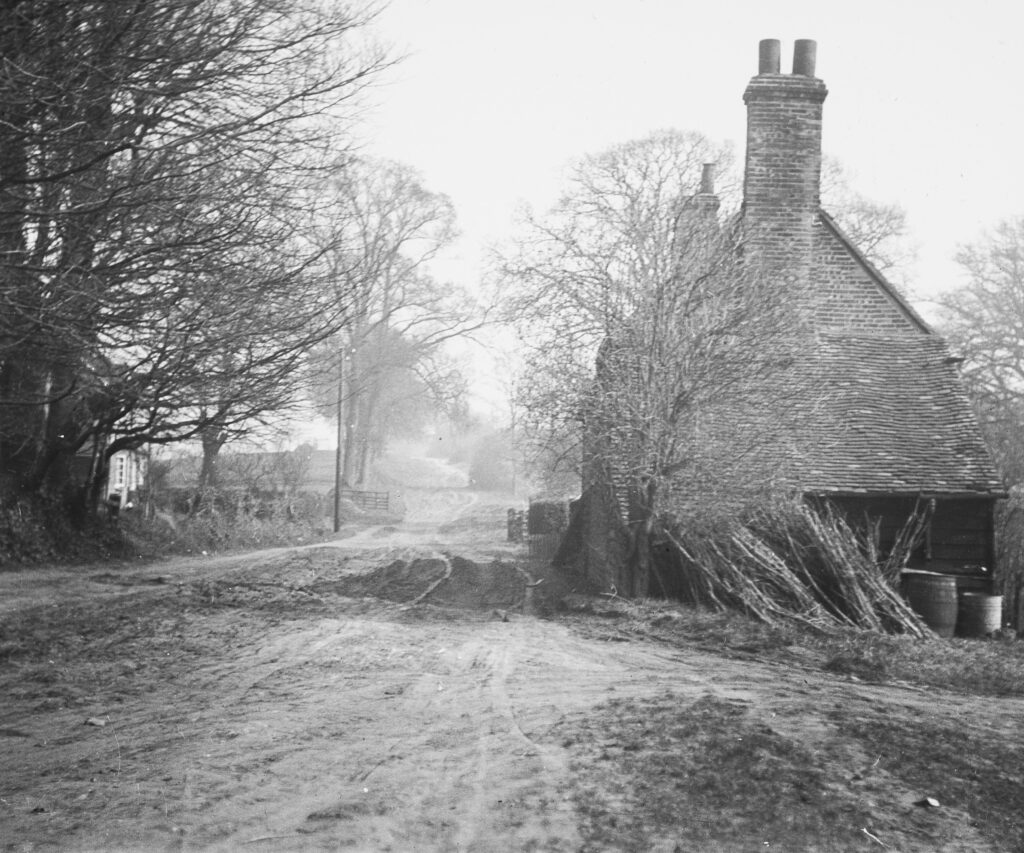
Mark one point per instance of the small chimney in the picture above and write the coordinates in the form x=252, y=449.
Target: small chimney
x=782, y=175
x=707, y=179
x=705, y=200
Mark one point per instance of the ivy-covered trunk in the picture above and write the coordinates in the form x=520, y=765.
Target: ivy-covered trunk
x=642, y=521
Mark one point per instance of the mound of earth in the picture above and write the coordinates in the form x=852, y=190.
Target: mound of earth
x=397, y=581
x=450, y=583
x=472, y=585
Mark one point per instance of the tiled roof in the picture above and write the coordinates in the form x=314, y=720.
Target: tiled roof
x=892, y=416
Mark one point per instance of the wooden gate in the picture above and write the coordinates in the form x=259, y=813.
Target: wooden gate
x=376, y=501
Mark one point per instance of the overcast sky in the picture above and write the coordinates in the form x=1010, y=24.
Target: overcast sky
x=493, y=99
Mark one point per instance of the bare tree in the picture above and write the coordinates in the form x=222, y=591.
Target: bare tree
x=575, y=274
x=654, y=341
x=984, y=321
x=385, y=229
x=151, y=156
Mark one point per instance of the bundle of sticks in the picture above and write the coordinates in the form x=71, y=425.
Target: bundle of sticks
x=797, y=563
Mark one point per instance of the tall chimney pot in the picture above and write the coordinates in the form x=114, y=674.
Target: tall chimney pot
x=805, y=55
x=769, y=53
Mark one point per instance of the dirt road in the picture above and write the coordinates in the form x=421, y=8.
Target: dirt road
x=260, y=702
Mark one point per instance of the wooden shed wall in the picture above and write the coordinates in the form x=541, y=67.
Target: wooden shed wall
x=960, y=532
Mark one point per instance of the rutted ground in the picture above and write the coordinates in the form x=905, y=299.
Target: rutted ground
x=270, y=702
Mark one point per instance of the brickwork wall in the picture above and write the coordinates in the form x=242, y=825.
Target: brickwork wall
x=781, y=210
x=845, y=294
x=782, y=178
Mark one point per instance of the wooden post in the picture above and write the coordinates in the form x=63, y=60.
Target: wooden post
x=338, y=457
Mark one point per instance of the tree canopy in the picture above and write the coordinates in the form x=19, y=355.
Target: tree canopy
x=156, y=282
x=387, y=368
x=984, y=319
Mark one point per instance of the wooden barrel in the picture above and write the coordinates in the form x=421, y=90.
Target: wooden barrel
x=979, y=615
x=933, y=597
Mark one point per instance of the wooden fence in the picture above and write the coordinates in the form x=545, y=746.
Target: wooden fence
x=542, y=546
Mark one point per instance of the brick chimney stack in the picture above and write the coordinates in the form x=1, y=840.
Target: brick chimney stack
x=782, y=178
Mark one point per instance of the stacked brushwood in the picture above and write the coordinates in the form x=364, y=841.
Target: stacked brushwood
x=795, y=563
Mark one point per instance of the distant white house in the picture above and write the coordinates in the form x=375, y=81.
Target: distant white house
x=126, y=476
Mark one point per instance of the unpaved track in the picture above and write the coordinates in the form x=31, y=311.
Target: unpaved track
x=369, y=725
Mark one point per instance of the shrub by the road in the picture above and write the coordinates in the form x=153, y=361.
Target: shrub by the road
x=36, y=532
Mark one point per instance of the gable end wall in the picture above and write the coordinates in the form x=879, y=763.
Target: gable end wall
x=845, y=294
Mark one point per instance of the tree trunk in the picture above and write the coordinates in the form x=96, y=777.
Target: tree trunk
x=13, y=170
x=364, y=462
x=641, y=524
x=367, y=426
x=99, y=469
x=348, y=464
x=92, y=496
x=209, y=475
x=640, y=560
x=55, y=450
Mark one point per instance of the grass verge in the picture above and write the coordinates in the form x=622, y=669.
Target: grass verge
x=979, y=667
x=978, y=773
x=670, y=773
x=703, y=776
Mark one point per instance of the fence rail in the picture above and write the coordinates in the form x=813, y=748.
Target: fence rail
x=367, y=500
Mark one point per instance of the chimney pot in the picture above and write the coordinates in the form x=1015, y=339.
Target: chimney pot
x=707, y=179
x=769, y=53
x=805, y=55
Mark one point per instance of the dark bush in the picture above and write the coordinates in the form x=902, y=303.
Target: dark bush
x=46, y=530
x=547, y=516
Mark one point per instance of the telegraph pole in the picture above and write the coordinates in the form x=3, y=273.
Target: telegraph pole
x=338, y=456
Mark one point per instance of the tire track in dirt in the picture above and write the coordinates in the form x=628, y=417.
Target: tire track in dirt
x=391, y=729
x=510, y=767
x=387, y=727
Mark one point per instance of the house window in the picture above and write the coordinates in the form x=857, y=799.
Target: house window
x=119, y=468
